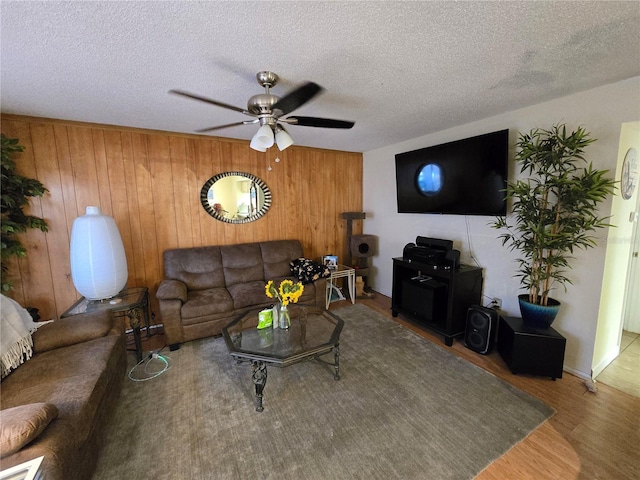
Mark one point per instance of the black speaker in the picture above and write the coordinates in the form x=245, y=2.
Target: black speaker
x=481, y=328
x=452, y=259
x=437, y=243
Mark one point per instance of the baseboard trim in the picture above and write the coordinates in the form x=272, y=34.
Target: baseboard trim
x=602, y=364
x=577, y=373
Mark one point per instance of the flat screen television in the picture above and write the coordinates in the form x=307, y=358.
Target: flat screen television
x=464, y=177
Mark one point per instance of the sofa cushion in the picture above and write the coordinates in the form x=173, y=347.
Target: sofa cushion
x=72, y=330
x=206, y=302
x=74, y=378
x=199, y=268
x=23, y=424
x=242, y=263
x=276, y=256
x=248, y=294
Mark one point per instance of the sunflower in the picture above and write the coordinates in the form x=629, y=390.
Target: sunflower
x=287, y=292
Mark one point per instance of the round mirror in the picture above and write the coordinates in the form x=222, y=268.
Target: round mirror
x=235, y=197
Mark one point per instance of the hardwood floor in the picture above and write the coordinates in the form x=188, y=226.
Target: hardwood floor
x=592, y=435
x=624, y=372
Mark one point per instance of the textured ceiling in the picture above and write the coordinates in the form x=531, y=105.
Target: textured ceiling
x=398, y=69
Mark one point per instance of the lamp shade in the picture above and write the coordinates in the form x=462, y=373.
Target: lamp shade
x=98, y=261
x=256, y=145
x=283, y=139
x=264, y=136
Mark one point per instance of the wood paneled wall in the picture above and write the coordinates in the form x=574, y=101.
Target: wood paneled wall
x=150, y=182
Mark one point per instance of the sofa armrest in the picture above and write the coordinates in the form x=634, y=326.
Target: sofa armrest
x=76, y=329
x=321, y=293
x=172, y=290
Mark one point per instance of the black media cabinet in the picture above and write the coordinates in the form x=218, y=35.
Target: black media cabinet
x=435, y=297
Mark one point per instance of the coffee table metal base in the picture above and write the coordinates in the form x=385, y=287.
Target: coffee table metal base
x=259, y=373
x=259, y=376
x=335, y=364
x=313, y=333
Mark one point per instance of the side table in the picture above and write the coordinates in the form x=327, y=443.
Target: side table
x=132, y=303
x=341, y=271
x=530, y=350
x=29, y=470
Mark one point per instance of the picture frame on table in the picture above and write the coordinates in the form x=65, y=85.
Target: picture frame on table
x=330, y=261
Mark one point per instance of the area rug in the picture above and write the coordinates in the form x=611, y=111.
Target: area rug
x=404, y=408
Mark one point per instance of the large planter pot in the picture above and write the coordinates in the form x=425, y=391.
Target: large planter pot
x=538, y=316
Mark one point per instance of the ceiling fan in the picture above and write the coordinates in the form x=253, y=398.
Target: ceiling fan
x=268, y=110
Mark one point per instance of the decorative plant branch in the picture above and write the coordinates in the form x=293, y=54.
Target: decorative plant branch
x=16, y=190
x=554, y=211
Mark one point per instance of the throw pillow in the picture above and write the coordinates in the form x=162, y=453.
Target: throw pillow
x=308, y=271
x=21, y=425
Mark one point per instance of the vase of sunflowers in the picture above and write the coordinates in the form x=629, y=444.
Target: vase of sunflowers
x=288, y=292
x=284, y=318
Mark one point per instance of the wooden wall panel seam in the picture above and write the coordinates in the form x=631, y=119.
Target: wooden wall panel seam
x=150, y=183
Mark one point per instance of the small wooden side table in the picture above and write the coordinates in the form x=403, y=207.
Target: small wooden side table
x=341, y=271
x=530, y=350
x=132, y=303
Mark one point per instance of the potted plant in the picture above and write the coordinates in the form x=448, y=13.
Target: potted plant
x=16, y=190
x=555, y=211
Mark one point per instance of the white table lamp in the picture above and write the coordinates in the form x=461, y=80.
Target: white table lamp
x=98, y=261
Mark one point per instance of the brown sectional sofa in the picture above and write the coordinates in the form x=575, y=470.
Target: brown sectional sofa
x=206, y=287
x=73, y=380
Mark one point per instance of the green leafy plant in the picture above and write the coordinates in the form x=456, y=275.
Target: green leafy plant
x=16, y=191
x=555, y=210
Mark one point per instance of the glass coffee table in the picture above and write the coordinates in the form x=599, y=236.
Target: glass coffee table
x=313, y=333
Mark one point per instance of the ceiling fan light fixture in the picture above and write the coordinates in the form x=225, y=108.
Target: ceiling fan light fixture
x=268, y=110
x=283, y=139
x=264, y=136
x=256, y=144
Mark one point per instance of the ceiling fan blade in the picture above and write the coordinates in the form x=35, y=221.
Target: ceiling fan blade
x=209, y=100
x=219, y=127
x=318, y=122
x=297, y=97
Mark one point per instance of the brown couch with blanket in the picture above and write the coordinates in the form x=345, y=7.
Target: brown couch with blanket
x=56, y=404
x=207, y=287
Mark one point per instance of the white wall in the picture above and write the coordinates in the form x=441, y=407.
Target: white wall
x=601, y=111
x=617, y=262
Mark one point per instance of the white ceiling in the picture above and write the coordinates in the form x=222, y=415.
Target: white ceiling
x=400, y=70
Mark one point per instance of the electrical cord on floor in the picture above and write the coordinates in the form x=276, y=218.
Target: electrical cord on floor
x=154, y=366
